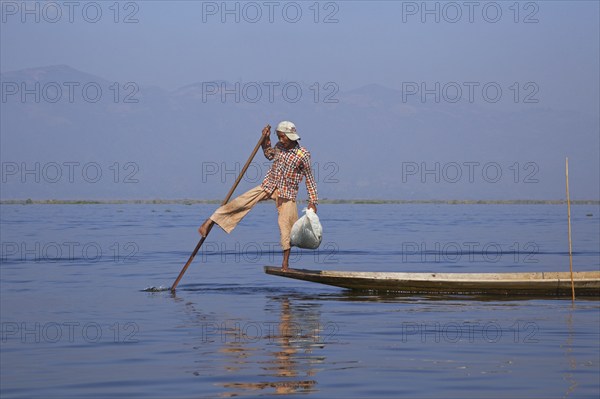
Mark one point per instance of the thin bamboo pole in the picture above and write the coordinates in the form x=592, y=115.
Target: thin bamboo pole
x=569, y=221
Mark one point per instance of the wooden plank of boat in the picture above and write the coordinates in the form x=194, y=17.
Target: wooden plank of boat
x=531, y=283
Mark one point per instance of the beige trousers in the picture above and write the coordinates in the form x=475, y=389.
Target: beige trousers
x=229, y=215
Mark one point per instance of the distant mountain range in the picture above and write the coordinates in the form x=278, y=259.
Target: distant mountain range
x=66, y=134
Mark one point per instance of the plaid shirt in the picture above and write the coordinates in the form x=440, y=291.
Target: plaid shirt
x=287, y=170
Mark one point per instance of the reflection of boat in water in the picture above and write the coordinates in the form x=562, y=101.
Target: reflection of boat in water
x=534, y=283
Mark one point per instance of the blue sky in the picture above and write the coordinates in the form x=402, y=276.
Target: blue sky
x=554, y=43
x=546, y=51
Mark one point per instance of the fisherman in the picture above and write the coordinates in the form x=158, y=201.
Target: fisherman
x=290, y=162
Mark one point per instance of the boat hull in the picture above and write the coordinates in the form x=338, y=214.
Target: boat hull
x=534, y=283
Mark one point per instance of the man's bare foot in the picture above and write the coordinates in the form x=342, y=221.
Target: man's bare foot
x=284, y=268
x=203, y=230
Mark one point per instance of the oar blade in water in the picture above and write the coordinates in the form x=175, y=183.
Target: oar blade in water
x=156, y=289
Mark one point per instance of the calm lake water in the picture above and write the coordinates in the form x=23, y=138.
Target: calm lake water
x=74, y=322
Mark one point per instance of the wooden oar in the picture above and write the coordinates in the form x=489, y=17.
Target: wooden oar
x=226, y=200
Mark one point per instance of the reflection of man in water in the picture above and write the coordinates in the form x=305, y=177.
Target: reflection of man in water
x=291, y=337
x=284, y=358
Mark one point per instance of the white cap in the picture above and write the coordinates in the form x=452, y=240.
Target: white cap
x=289, y=129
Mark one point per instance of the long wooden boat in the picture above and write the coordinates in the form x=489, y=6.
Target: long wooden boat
x=534, y=283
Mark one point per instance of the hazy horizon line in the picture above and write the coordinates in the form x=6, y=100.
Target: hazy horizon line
x=184, y=201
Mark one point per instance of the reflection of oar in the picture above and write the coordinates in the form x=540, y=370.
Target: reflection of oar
x=229, y=194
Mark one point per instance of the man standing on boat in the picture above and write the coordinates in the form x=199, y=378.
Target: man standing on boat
x=290, y=163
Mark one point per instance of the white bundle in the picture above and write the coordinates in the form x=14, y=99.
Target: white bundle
x=307, y=231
